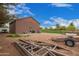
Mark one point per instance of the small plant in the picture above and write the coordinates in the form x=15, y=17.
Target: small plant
x=33, y=31
x=13, y=35
x=27, y=35
x=38, y=41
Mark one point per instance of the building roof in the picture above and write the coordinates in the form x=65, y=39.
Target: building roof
x=24, y=18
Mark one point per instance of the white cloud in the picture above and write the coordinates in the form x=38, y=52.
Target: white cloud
x=11, y=7
x=22, y=6
x=11, y=12
x=64, y=22
x=42, y=27
x=60, y=21
x=24, y=9
x=76, y=22
x=61, y=5
x=19, y=12
x=19, y=9
x=28, y=11
x=54, y=27
x=47, y=22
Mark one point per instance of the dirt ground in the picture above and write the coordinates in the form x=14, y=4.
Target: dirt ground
x=7, y=48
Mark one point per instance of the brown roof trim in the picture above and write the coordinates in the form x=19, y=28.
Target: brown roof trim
x=12, y=21
x=25, y=18
x=35, y=20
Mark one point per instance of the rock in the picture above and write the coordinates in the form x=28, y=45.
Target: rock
x=0, y=47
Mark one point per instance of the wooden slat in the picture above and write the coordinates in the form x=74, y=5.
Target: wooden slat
x=42, y=51
x=59, y=53
x=25, y=51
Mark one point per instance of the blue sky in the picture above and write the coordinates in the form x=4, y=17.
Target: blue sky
x=49, y=14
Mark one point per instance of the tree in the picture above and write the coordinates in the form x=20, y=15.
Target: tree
x=71, y=27
x=50, y=28
x=62, y=28
x=4, y=15
x=57, y=26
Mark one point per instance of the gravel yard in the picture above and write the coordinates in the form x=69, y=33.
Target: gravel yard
x=7, y=47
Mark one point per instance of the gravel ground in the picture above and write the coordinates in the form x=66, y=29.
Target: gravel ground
x=7, y=48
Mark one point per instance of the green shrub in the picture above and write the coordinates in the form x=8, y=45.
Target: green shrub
x=33, y=31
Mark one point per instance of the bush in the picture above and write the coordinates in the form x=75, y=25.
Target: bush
x=33, y=31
